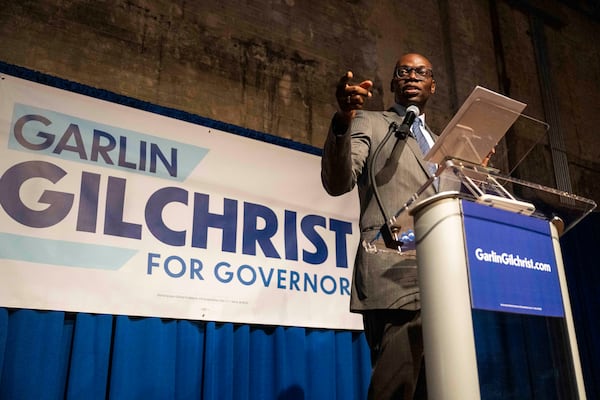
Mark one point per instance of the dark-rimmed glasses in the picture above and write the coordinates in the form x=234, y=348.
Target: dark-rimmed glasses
x=403, y=72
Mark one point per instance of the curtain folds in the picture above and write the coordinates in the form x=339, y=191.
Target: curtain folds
x=580, y=246
x=56, y=355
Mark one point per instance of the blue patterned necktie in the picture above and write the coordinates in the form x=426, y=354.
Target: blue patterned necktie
x=416, y=129
x=423, y=145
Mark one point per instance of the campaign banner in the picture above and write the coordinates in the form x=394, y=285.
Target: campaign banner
x=511, y=260
x=109, y=209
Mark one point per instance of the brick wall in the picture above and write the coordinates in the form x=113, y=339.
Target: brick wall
x=271, y=65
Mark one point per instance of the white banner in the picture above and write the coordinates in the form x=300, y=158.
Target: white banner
x=109, y=209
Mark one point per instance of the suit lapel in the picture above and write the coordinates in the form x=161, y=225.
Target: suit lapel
x=393, y=114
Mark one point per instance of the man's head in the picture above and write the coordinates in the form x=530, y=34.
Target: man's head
x=413, y=81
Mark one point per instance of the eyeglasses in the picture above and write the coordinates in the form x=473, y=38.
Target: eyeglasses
x=404, y=72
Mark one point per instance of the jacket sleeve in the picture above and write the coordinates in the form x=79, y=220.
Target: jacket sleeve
x=345, y=156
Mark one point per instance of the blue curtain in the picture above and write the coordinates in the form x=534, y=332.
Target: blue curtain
x=57, y=355
x=582, y=266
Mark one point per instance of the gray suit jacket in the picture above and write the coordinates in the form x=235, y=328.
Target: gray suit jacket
x=382, y=280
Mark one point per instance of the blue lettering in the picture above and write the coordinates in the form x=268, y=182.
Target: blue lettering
x=202, y=220
x=341, y=229
x=102, y=145
x=115, y=203
x=308, y=225
x=143, y=158
x=88, y=202
x=152, y=263
x=175, y=266
x=260, y=223
x=294, y=279
x=344, y=286
x=156, y=153
x=102, y=150
x=285, y=279
x=333, y=284
x=225, y=276
x=195, y=268
x=18, y=132
x=281, y=278
x=71, y=132
x=59, y=204
x=266, y=280
x=252, y=272
x=253, y=235
x=290, y=235
x=154, y=207
x=123, y=154
x=308, y=283
x=180, y=265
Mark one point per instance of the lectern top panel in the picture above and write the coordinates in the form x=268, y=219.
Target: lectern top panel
x=477, y=127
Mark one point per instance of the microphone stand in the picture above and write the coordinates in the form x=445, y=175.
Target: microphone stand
x=389, y=237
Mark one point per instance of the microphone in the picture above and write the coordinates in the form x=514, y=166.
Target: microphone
x=411, y=113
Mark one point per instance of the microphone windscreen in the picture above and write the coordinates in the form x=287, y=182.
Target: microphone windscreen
x=414, y=109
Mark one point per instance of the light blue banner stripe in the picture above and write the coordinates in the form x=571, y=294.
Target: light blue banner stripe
x=60, y=252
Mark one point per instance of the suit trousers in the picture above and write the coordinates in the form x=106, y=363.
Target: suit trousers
x=396, y=342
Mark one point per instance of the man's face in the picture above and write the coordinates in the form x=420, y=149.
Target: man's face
x=413, y=81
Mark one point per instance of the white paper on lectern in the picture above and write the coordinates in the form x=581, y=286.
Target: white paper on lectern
x=477, y=127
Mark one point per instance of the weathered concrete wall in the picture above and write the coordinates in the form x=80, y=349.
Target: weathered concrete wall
x=271, y=65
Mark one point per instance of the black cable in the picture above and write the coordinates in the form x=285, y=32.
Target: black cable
x=386, y=232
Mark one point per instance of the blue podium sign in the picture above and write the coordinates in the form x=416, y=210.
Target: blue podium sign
x=511, y=262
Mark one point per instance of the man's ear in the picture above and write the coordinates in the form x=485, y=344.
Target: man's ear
x=393, y=85
x=432, y=86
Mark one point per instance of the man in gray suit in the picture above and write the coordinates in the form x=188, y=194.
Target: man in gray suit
x=385, y=287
